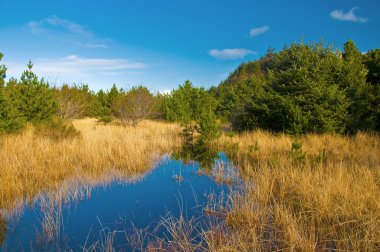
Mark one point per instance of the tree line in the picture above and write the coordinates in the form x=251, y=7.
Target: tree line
x=302, y=88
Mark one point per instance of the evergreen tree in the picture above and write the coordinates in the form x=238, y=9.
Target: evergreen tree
x=10, y=118
x=372, y=61
x=34, y=98
x=102, y=107
x=113, y=94
x=303, y=93
x=194, y=108
x=360, y=93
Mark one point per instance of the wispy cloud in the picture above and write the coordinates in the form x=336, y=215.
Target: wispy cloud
x=66, y=30
x=230, y=54
x=89, y=45
x=73, y=67
x=348, y=16
x=258, y=31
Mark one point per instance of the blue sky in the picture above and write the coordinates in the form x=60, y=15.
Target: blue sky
x=160, y=44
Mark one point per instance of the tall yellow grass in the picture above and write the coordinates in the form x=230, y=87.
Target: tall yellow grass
x=320, y=203
x=327, y=199
x=31, y=163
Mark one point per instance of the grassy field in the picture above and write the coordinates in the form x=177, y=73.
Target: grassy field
x=323, y=195
x=31, y=163
x=306, y=193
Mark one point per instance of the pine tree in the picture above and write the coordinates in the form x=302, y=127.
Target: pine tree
x=194, y=108
x=360, y=93
x=102, y=107
x=10, y=118
x=33, y=96
x=372, y=61
x=304, y=93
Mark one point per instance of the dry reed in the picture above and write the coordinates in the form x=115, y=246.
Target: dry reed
x=326, y=198
x=31, y=164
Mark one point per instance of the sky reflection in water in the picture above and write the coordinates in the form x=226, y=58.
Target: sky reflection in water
x=119, y=205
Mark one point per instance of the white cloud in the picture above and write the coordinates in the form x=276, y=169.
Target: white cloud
x=89, y=45
x=65, y=30
x=236, y=53
x=73, y=68
x=348, y=16
x=257, y=31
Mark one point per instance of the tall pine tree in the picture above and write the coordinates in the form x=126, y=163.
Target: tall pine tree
x=360, y=93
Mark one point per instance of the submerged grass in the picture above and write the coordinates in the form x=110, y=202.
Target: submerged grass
x=32, y=163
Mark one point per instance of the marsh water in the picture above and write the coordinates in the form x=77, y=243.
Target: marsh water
x=80, y=216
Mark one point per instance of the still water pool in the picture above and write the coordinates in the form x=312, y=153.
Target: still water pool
x=79, y=216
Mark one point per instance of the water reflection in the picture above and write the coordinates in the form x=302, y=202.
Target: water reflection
x=75, y=214
x=199, y=151
x=3, y=229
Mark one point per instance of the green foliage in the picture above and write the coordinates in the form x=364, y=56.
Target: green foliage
x=199, y=151
x=11, y=119
x=239, y=88
x=208, y=127
x=160, y=106
x=372, y=61
x=303, y=88
x=113, y=94
x=3, y=71
x=33, y=97
x=297, y=155
x=188, y=103
x=360, y=93
x=194, y=108
x=102, y=107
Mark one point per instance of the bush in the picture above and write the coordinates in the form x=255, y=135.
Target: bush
x=134, y=106
x=194, y=108
x=56, y=129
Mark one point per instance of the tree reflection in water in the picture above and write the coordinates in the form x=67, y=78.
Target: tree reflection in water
x=197, y=151
x=3, y=229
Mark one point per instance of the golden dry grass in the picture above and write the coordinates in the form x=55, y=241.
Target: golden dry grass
x=324, y=197
x=32, y=163
x=324, y=201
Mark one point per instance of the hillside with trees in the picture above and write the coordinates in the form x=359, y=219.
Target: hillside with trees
x=301, y=89
x=304, y=88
